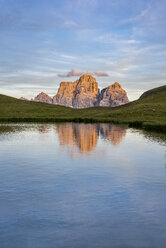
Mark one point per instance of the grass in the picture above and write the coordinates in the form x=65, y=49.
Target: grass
x=149, y=112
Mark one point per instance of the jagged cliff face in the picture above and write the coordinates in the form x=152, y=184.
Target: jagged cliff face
x=65, y=94
x=84, y=93
x=79, y=94
x=113, y=96
x=42, y=97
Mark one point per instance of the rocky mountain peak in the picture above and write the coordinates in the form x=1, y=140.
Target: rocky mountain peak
x=81, y=93
x=113, y=95
x=84, y=93
x=65, y=94
x=86, y=90
x=43, y=97
x=87, y=77
x=88, y=84
x=116, y=85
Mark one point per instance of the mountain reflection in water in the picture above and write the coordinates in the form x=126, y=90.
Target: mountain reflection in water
x=81, y=185
x=85, y=136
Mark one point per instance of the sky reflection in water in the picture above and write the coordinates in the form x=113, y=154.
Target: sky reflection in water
x=81, y=185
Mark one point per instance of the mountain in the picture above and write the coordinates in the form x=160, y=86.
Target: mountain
x=85, y=93
x=42, y=97
x=65, y=94
x=148, y=112
x=79, y=94
x=113, y=96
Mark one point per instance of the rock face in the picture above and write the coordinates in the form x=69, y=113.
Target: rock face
x=113, y=96
x=84, y=93
x=65, y=94
x=42, y=97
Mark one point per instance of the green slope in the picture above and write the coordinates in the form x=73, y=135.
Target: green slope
x=148, y=112
x=153, y=91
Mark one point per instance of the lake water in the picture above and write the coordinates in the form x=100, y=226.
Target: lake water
x=81, y=186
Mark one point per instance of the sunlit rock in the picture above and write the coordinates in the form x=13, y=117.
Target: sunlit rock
x=84, y=93
x=42, y=97
x=113, y=95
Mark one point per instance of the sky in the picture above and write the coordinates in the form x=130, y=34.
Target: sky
x=44, y=42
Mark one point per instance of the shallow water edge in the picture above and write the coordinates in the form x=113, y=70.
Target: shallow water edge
x=151, y=126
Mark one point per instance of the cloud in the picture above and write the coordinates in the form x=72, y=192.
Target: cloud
x=72, y=73
x=76, y=73
x=136, y=18
x=101, y=74
x=115, y=39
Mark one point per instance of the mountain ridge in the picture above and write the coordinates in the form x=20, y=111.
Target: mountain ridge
x=147, y=113
x=84, y=93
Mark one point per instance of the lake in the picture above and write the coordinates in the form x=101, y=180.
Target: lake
x=81, y=186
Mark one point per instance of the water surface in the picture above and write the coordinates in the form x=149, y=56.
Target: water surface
x=81, y=185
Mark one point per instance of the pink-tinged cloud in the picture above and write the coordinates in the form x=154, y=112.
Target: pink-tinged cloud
x=72, y=73
x=76, y=73
x=101, y=74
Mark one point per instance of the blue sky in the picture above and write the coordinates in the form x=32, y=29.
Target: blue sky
x=41, y=42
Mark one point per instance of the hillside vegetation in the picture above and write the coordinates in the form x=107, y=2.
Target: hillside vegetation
x=148, y=112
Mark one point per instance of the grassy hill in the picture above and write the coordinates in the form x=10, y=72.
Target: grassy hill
x=153, y=91
x=148, y=112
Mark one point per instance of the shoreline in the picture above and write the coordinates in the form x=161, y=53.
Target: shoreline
x=148, y=126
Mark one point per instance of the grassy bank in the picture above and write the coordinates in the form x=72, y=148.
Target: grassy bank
x=149, y=112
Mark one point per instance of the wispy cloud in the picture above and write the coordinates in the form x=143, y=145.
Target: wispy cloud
x=117, y=40
x=72, y=73
x=136, y=18
x=76, y=73
x=101, y=74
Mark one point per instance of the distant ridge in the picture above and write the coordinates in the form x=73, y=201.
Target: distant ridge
x=43, y=97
